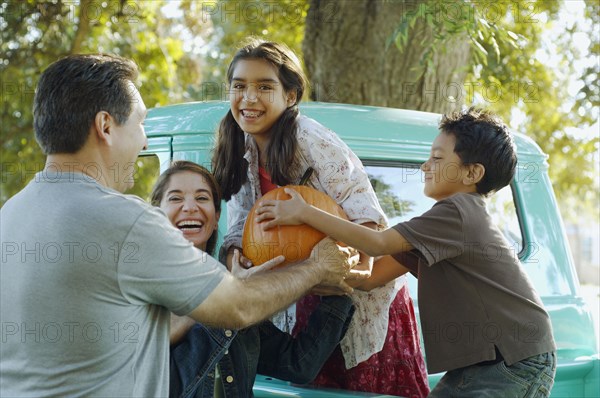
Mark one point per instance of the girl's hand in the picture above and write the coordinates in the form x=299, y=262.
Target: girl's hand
x=282, y=212
x=243, y=260
x=240, y=272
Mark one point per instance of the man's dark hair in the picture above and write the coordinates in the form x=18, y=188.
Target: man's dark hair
x=481, y=137
x=72, y=91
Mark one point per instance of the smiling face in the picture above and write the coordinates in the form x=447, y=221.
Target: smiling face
x=445, y=173
x=189, y=203
x=130, y=139
x=258, y=98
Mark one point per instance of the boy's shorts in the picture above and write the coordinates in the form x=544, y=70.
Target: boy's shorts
x=531, y=377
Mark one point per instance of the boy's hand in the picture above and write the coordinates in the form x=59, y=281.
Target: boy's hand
x=282, y=212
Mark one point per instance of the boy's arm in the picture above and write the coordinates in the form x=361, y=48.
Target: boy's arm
x=385, y=270
x=296, y=211
x=365, y=265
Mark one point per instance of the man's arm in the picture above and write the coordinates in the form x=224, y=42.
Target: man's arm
x=180, y=325
x=296, y=211
x=237, y=303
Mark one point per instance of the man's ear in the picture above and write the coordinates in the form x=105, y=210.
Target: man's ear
x=475, y=173
x=103, y=123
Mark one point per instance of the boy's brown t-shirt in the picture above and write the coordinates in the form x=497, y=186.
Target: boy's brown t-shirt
x=473, y=292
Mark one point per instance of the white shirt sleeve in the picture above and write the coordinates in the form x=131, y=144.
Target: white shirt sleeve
x=338, y=172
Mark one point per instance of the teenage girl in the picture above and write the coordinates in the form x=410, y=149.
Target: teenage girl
x=263, y=142
x=190, y=197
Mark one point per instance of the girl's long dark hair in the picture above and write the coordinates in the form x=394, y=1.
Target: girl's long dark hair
x=228, y=163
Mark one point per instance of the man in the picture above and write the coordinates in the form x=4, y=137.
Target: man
x=88, y=274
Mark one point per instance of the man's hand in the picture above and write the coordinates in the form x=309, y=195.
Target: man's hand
x=240, y=272
x=363, y=269
x=336, y=263
x=236, y=303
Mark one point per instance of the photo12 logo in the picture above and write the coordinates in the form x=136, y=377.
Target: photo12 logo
x=454, y=92
x=69, y=252
x=53, y=172
x=472, y=332
x=69, y=332
x=248, y=11
x=72, y=11
x=450, y=11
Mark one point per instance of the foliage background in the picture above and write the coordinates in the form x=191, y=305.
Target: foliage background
x=183, y=48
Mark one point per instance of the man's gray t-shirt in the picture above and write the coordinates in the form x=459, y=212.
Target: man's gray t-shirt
x=88, y=279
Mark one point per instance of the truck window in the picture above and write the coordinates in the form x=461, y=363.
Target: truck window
x=145, y=172
x=399, y=188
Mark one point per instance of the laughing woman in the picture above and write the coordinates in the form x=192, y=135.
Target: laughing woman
x=190, y=197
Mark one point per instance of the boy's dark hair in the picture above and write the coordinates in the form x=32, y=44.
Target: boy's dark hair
x=481, y=137
x=179, y=166
x=72, y=91
x=228, y=164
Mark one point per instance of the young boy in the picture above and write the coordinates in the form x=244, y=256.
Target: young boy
x=481, y=318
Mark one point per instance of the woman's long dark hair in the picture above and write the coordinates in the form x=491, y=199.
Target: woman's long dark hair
x=179, y=166
x=228, y=163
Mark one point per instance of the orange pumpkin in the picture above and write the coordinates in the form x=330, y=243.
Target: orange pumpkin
x=295, y=242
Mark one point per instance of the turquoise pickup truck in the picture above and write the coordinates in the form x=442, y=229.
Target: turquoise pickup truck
x=392, y=143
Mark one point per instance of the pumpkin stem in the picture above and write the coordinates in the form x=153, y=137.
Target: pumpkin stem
x=306, y=176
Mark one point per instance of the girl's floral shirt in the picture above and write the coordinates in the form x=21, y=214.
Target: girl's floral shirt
x=339, y=173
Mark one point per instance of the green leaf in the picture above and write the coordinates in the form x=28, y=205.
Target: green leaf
x=512, y=35
x=496, y=47
x=479, y=47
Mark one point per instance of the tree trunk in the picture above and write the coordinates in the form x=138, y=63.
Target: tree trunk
x=83, y=27
x=347, y=60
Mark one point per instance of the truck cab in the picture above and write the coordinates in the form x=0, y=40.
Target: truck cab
x=392, y=144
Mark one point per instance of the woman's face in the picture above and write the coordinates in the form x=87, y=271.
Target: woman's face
x=189, y=204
